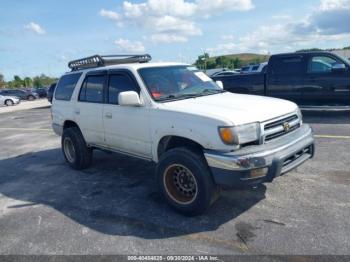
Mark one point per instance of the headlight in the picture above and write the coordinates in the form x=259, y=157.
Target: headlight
x=239, y=135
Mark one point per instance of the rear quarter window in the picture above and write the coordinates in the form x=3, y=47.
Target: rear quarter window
x=66, y=85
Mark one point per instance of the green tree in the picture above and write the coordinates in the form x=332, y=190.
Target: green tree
x=310, y=49
x=237, y=63
x=28, y=82
x=2, y=80
x=211, y=64
x=202, y=60
x=37, y=82
x=17, y=81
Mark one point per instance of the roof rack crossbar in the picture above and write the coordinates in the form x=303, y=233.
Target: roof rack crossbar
x=98, y=61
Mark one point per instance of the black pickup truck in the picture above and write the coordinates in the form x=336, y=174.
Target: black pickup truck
x=307, y=78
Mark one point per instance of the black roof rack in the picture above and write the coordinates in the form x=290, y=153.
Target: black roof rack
x=98, y=61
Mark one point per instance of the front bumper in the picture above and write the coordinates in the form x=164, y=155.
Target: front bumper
x=271, y=160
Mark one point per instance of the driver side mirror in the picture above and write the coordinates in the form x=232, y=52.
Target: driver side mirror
x=338, y=68
x=220, y=84
x=129, y=98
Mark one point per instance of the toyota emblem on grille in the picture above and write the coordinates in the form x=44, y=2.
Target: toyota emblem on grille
x=286, y=126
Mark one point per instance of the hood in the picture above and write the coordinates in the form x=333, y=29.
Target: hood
x=236, y=109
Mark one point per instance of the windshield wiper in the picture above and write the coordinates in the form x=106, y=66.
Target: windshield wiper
x=212, y=91
x=193, y=95
x=180, y=96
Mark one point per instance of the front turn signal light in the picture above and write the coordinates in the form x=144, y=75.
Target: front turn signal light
x=226, y=135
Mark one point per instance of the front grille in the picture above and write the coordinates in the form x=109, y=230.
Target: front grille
x=280, y=127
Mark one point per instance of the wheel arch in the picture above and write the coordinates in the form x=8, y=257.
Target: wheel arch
x=8, y=99
x=173, y=141
x=70, y=123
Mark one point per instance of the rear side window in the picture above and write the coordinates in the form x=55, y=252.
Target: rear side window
x=288, y=65
x=66, y=86
x=119, y=83
x=92, y=89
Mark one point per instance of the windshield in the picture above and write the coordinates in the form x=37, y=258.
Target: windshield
x=177, y=82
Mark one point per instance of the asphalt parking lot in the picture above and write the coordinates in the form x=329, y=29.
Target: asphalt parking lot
x=114, y=208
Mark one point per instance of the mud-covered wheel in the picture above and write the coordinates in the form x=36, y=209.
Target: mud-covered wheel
x=185, y=180
x=75, y=150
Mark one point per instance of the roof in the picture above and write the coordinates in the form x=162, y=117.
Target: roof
x=113, y=61
x=303, y=53
x=131, y=66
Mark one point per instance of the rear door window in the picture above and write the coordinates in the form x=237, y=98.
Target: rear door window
x=66, y=85
x=92, y=89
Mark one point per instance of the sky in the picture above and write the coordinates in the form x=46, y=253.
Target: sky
x=42, y=36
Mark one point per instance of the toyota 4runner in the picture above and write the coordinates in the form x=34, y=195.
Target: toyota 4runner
x=200, y=137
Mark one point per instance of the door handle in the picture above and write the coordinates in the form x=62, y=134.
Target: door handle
x=108, y=115
x=77, y=111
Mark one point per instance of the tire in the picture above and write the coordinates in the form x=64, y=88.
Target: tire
x=185, y=181
x=31, y=98
x=9, y=102
x=74, y=149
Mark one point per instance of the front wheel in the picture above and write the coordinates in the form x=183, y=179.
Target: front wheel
x=9, y=102
x=185, y=180
x=75, y=150
x=31, y=98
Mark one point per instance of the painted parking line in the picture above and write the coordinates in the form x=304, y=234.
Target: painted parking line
x=25, y=129
x=332, y=137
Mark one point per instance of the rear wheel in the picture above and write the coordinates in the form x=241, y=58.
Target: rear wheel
x=31, y=98
x=9, y=102
x=185, y=180
x=75, y=150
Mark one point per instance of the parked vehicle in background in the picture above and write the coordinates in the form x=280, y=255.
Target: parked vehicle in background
x=307, y=78
x=42, y=92
x=226, y=73
x=9, y=100
x=200, y=136
x=251, y=69
x=23, y=95
x=50, y=92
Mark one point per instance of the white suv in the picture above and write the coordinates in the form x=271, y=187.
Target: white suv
x=200, y=136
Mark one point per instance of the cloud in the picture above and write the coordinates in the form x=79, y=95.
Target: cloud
x=35, y=28
x=327, y=25
x=170, y=21
x=125, y=45
x=331, y=17
x=110, y=15
x=166, y=38
x=327, y=5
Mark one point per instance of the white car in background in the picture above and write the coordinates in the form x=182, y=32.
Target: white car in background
x=9, y=100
